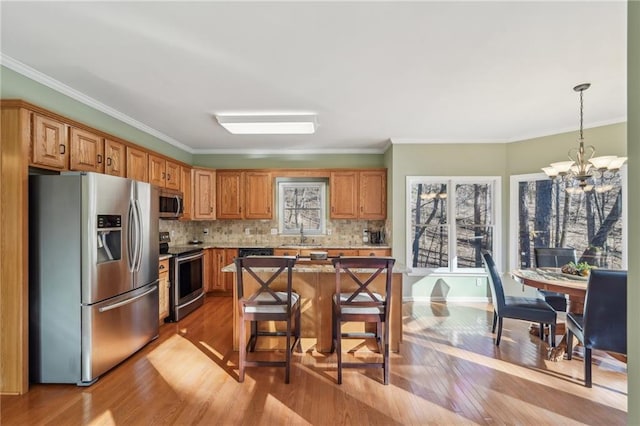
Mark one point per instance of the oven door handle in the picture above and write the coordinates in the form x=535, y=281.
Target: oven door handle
x=181, y=259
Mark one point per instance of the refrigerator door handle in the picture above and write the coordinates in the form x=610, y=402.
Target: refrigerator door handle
x=131, y=256
x=126, y=302
x=139, y=234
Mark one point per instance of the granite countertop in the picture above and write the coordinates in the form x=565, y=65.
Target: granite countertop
x=206, y=245
x=309, y=267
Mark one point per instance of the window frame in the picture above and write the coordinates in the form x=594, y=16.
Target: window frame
x=514, y=219
x=495, y=183
x=281, y=186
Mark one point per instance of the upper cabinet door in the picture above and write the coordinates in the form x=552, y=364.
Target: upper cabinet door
x=343, y=187
x=173, y=176
x=186, y=188
x=87, y=151
x=137, y=164
x=258, y=195
x=49, y=144
x=157, y=173
x=114, y=154
x=204, y=194
x=373, y=195
x=229, y=194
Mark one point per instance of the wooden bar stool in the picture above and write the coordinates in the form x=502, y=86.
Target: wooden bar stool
x=267, y=304
x=362, y=305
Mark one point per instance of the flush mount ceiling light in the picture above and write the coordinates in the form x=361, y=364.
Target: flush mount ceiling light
x=582, y=166
x=268, y=124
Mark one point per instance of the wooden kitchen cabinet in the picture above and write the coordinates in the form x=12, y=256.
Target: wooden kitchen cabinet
x=204, y=185
x=173, y=177
x=163, y=289
x=286, y=252
x=244, y=194
x=342, y=252
x=258, y=195
x=207, y=269
x=164, y=173
x=222, y=282
x=229, y=194
x=86, y=151
x=343, y=188
x=372, y=194
x=49, y=143
x=358, y=194
x=374, y=252
x=114, y=154
x=185, y=187
x=137, y=164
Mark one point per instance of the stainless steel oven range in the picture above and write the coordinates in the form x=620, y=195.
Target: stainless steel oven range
x=185, y=272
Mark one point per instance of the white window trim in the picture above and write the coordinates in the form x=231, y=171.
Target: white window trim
x=281, y=184
x=496, y=207
x=514, y=180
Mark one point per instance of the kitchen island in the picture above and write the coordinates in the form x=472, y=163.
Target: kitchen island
x=315, y=282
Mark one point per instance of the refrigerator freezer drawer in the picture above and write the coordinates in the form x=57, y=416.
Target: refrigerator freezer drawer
x=115, y=329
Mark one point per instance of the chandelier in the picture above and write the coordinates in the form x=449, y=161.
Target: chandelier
x=582, y=165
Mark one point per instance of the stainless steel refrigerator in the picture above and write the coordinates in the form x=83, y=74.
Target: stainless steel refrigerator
x=93, y=274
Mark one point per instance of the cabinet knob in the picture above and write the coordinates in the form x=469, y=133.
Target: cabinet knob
x=99, y=158
x=168, y=176
x=109, y=161
x=63, y=149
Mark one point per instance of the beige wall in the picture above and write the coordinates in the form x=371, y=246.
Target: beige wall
x=528, y=156
x=633, y=145
x=439, y=160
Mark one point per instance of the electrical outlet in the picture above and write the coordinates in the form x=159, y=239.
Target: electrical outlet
x=274, y=231
x=205, y=231
x=479, y=281
x=247, y=231
x=173, y=234
x=328, y=231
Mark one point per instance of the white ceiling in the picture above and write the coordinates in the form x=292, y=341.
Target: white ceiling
x=374, y=72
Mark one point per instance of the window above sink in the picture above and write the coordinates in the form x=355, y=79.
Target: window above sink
x=302, y=207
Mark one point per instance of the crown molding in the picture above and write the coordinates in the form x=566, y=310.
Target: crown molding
x=52, y=83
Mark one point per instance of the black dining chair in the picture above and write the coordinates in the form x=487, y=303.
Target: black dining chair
x=522, y=308
x=603, y=323
x=266, y=304
x=554, y=257
x=362, y=304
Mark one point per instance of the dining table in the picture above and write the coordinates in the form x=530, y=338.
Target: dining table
x=553, y=279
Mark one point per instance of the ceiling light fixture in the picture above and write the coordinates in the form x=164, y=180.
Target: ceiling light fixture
x=583, y=165
x=268, y=124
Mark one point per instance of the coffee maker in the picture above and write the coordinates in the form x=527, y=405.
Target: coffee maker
x=376, y=236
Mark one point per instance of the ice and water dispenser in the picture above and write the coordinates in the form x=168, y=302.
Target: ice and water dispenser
x=109, y=234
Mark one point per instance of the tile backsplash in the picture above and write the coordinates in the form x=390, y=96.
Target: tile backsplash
x=343, y=232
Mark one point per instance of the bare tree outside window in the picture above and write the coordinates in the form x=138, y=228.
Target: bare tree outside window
x=440, y=243
x=302, y=207
x=590, y=222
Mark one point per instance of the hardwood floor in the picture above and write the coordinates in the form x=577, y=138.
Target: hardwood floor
x=448, y=371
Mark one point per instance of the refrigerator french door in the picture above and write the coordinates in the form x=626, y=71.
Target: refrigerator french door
x=93, y=274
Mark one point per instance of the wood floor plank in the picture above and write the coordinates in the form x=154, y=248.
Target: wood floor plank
x=448, y=371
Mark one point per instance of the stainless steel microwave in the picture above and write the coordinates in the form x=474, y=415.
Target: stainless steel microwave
x=171, y=206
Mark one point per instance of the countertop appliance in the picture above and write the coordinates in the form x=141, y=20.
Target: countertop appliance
x=186, y=268
x=93, y=261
